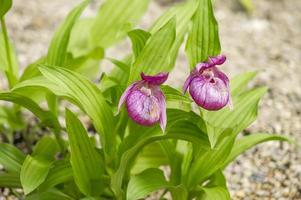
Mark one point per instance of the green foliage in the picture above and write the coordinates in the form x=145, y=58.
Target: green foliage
x=5, y=5
x=158, y=45
x=11, y=158
x=203, y=39
x=106, y=155
x=57, y=51
x=115, y=18
x=87, y=164
x=146, y=182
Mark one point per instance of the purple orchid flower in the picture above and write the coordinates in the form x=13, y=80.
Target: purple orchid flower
x=208, y=86
x=145, y=102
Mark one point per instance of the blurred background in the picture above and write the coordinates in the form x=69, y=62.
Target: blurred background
x=266, y=38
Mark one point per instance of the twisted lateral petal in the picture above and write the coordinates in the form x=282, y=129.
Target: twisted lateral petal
x=126, y=93
x=162, y=103
x=156, y=79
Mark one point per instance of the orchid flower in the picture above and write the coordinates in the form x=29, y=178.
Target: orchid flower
x=208, y=86
x=145, y=102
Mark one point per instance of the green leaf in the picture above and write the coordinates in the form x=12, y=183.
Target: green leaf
x=33, y=172
x=154, y=57
x=32, y=69
x=11, y=158
x=57, y=51
x=175, y=98
x=217, y=179
x=145, y=183
x=36, y=167
x=79, y=38
x=247, y=142
x=60, y=173
x=86, y=163
x=87, y=96
x=178, y=192
x=243, y=114
x=182, y=130
x=183, y=13
x=151, y=156
x=139, y=38
x=239, y=83
x=45, y=116
x=210, y=161
x=114, y=19
x=11, y=180
x=49, y=195
x=212, y=193
x=5, y=5
x=47, y=147
x=203, y=40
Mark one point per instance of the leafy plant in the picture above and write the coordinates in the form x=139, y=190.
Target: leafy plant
x=124, y=162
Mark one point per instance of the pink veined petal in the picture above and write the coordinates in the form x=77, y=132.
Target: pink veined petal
x=217, y=60
x=126, y=93
x=157, y=79
x=162, y=103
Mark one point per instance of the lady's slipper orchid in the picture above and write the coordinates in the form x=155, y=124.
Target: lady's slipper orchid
x=208, y=86
x=145, y=102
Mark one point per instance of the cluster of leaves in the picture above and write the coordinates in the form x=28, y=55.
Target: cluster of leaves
x=197, y=144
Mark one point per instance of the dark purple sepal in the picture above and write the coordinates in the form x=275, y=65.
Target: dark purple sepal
x=156, y=79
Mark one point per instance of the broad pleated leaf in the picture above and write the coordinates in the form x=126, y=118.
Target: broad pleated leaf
x=114, y=19
x=36, y=166
x=243, y=114
x=213, y=193
x=239, y=83
x=217, y=179
x=145, y=183
x=183, y=13
x=210, y=161
x=47, y=147
x=247, y=142
x=178, y=192
x=11, y=158
x=151, y=156
x=79, y=38
x=175, y=98
x=203, y=39
x=86, y=163
x=33, y=172
x=49, y=195
x=182, y=130
x=138, y=38
x=57, y=51
x=60, y=173
x=87, y=96
x=5, y=5
x=10, y=180
x=154, y=57
x=45, y=116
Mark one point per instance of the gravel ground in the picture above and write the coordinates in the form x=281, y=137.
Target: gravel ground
x=268, y=41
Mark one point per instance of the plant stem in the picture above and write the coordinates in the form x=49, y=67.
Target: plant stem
x=10, y=74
